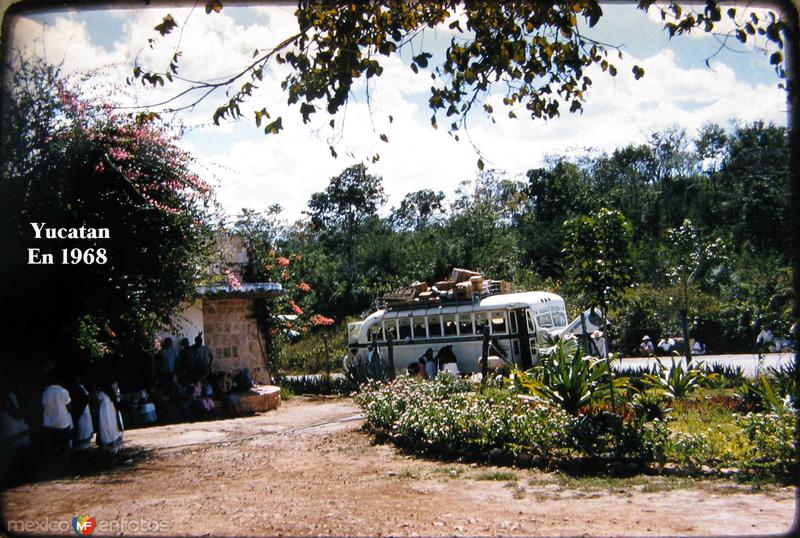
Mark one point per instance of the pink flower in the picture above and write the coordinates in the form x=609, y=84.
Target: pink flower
x=99, y=168
x=118, y=154
x=283, y=262
x=234, y=281
x=304, y=287
x=296, y=309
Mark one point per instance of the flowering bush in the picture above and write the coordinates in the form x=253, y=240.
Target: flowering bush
x=771, y=436
x=70, y=162
x=447, y=416
x=688, y=449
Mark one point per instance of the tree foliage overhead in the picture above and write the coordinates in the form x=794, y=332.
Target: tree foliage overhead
x=536, y=55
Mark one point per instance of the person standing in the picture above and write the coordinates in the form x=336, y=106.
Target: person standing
x=81, y=416
x=109, y=420
x=56, y=421
x=373, y=355
x=431, y=364
x=201, y=358
x=184, y=367
x=167, y=358
x=15, y=436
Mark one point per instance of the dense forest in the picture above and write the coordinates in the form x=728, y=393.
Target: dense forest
x=726, y=190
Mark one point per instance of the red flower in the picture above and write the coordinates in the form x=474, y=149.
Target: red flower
x=297, y=310
x=283, y=262
x=304, y=287
x=321, y=321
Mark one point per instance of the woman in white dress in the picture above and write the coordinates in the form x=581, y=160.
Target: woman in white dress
x=82, y=417
x=109, y=420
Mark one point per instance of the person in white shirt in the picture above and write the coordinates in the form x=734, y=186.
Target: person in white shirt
x=14, y=430
x=109, y=420
x=56, y=421
x=766, y=340
x=646, y=347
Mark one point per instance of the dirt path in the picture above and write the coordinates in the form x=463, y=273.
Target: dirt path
x=307, y=469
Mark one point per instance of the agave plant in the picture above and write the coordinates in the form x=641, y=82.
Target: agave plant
x=361, y=372
x=568, y=378
x=763, y=396
x=678, y=381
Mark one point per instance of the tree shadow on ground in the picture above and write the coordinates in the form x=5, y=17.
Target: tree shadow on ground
x=29, y=467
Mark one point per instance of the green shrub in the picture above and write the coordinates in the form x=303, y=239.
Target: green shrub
x=567, y=378
x=320, y=385
x=447, y=416
x=771, y=436
x=688, y=449
x=677, y=381
x=650, y=405
x=606, y=436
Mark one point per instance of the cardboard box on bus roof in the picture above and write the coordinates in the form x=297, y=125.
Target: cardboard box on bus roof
x=462, y=275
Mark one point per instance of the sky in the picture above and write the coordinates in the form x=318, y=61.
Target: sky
x=254, y=170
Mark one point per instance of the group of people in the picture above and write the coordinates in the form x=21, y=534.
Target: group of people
x=185, y=364
x=70, y=417
x=186, y=386
x=185, y=372
x=668, y=345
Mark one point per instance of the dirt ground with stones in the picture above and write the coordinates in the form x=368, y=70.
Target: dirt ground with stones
x=307, y=469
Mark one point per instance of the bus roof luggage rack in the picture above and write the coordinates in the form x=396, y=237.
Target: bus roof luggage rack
x=463, y=287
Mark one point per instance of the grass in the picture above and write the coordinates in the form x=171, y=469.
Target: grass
x=702, y=415
x=450, y=471
x=502, y=476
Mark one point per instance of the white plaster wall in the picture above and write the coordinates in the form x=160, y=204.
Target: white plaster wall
x=186, y=322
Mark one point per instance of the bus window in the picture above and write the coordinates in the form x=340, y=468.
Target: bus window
x=449, y=321
x=512, y=322
x=543, y=320
x=499, y=323
x=419, y=328
x=559, y=319
x=465, y=327
x=531, y=328
x=435, y=326
x=481, y=321
x=390, y=329
x=405, y=328
x=376, y=332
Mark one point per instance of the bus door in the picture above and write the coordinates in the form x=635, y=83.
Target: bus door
x=527, y=337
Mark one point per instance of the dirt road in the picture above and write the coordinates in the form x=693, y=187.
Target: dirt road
x=307, y=469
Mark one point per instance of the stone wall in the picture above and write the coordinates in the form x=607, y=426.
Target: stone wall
x=231, y=332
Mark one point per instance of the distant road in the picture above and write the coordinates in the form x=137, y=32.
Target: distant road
x=747, y=361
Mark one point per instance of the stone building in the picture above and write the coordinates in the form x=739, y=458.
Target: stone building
x=226, y=317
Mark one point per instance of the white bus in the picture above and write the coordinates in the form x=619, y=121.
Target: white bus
x=518, y=322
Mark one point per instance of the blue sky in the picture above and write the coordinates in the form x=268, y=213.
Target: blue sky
x=253, y=170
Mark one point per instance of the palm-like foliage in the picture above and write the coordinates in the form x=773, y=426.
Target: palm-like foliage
x=762, y=394
x=568, y=378
x=678, y=381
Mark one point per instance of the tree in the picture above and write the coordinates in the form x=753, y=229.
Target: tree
x=340, y=215
x=538, y=53
x=597, y=256
x=688, y=257
x=555, y=194
x=419, y=209
x=68, y=164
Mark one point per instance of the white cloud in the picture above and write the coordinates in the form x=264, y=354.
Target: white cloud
x=257, y=170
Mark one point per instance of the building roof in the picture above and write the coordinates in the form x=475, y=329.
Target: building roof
x=246, y=290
